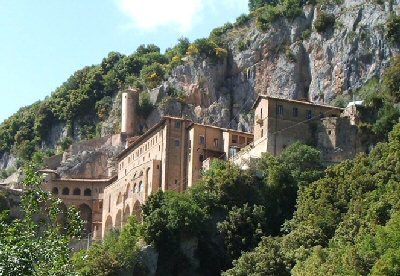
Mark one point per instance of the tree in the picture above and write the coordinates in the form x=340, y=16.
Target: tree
x=169, y=216
x=39, y=242
x=243, y=229
x=117, y=253
x=266, y=259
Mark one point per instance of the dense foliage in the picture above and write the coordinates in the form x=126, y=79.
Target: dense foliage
x=345, y=223
x=117, y=253
x=37, y=244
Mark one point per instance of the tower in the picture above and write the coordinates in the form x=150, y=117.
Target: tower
x=128, y=116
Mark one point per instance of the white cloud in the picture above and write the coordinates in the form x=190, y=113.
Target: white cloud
x=151, y=14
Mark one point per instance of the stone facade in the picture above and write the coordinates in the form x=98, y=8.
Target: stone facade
x=171, y=155
x=168, y=157
x=279, y=123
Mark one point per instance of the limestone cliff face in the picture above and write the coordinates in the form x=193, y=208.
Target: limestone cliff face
x=281, y=62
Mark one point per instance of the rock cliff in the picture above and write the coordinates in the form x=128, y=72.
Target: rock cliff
x=290, y=59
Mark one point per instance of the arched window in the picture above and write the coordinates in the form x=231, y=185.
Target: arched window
x=135, y=188
x=54, y=191
x=140, y=186
x=76, y=191
x=87, y=192
x=65, y=191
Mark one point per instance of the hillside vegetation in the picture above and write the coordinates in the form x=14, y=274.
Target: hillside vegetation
x=286, y=215
x=80, y=105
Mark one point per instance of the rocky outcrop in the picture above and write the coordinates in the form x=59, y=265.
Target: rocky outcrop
x=91, y=159
x=282, y=62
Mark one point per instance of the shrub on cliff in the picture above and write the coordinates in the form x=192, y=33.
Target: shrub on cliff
x=393, y=28
x=324, y=21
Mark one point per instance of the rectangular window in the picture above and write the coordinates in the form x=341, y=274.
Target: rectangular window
x=233, y=151
x=242, y=140
x=177, y=143
x=202, y=140
x=249, y=141
x=295, y=112
x=216, y=143
x=279, y=110
x=177, y=124
x=309, y=114
x=234, y=139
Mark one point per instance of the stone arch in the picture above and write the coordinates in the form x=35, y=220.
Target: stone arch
x=127, y=213
x=87, y=192
x=118, y=219
x=65, y=191
x=137, y=211
x=86, y=214
x=54, y=191
x=76, y=191
x=108, y=225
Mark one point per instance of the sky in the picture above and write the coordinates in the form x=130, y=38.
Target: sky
x=43, y=42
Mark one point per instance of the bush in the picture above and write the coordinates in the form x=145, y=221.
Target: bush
x=117, y=253
x=241, y=20
x=391, y=79
x=324, y=21
x=216, y=33
x=103, y=107
x=306, y=34
x=65, y=143
x=255, y=4
x=268, y=15
x=207, y=48
x=393, y=28
x=153, y=74
x=243, y=45
x=145, y=106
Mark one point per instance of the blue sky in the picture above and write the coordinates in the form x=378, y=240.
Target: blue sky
x=43, y=42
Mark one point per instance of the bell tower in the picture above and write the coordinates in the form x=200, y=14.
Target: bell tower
x=128, y=116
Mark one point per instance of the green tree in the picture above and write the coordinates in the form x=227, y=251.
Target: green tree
x=38, y=244
x=117, y=253
x=243, y=229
